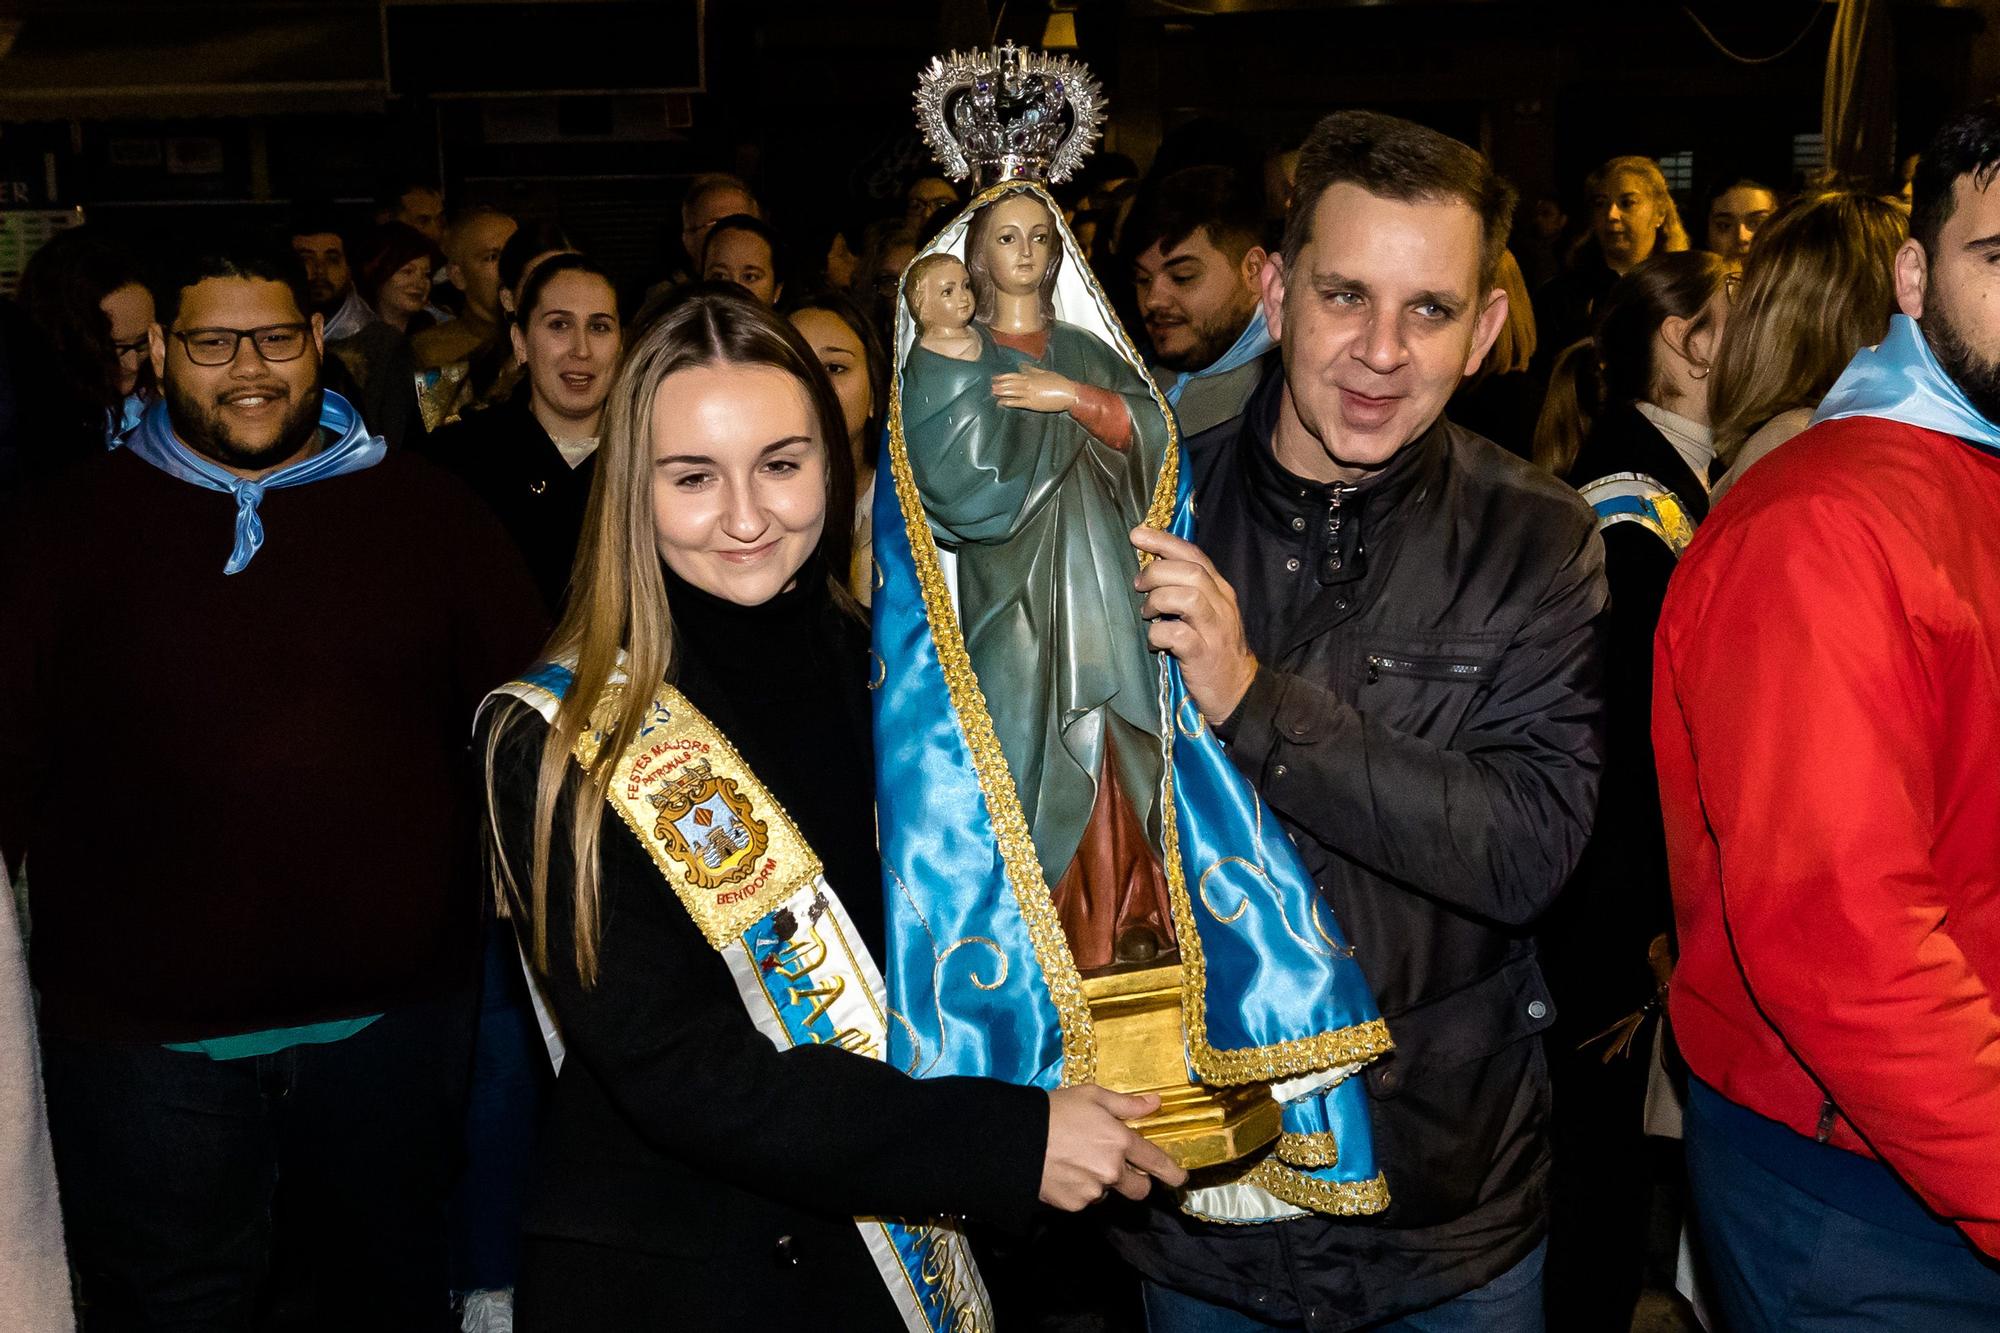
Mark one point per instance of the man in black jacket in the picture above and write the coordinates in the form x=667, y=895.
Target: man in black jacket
x=1395, y=627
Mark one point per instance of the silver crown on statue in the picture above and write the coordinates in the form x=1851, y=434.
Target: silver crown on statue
x=1009, y=114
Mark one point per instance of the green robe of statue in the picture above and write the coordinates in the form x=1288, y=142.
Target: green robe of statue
x=1038, y=513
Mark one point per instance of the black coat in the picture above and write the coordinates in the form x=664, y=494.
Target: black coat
x=1426, y=722
x=1595, y=938
x=505, y=454
x=691, y=1175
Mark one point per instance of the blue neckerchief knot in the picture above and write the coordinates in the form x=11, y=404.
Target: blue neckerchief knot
x=351, y=449
x=1253, y=342
x=1900, y=379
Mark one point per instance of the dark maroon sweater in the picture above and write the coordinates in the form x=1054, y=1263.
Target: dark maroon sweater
x=247, y=801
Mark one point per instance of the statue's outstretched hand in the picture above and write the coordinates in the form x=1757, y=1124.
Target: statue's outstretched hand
x=1035, y=390
x=1092, y=1151
x=1195, y=617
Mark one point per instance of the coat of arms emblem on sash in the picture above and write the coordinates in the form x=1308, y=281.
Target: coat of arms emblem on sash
x=708, y=827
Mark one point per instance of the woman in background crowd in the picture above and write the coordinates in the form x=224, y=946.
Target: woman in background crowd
x=1819, y=286
x=1631, y=400
x=395, y=276
x=92, y=304
x=852, y=357
x=1632, y=215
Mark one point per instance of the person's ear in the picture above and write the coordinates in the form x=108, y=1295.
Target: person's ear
x=1271, y=282
x=520, y=341
x=777, y=292
x=1677, y=332
x=156, y=351
x=1252, y=267
x=455, y=274
x=1913, y=278
x=1486, y=330
x=319, y=335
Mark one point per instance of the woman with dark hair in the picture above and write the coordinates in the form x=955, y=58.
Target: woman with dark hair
x=531, y=456
x=683, y=830
x=1627, y=419
x=852, y=357
x=394, y=276
x=90, y=301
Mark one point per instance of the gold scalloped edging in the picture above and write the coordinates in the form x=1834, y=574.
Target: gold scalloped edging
x=1310, y=1150
x=1333, y=1198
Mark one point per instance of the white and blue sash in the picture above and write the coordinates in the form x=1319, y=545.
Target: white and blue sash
x=757, y=892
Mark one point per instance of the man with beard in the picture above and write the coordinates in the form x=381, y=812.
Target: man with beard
x=1826, y=697
x=372, y=360
x=256, y=896
x=1197, y=275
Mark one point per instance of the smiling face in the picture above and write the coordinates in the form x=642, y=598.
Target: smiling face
x=569, y=343
x=1379, y=316
x=407, y=290
x=739, y=479
x=1019, y=244
x=1194, y=299
x=250, y=415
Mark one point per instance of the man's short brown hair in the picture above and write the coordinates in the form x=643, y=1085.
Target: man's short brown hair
x=1393, y=158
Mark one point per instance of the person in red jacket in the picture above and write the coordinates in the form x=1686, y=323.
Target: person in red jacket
x=1826, y=702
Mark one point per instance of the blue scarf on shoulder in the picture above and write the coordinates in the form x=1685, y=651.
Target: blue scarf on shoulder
x=350, y=449
x=1900, y=379
x=1253, y=342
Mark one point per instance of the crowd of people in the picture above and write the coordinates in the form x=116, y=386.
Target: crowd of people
x=1653, y=816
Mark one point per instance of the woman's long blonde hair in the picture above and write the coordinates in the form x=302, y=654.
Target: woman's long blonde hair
x=618, y=594
x=1819, y=285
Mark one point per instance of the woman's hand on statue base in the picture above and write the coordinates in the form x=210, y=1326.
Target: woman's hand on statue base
x=1035, y=390
x=1092, y=1151
x=1195, y=617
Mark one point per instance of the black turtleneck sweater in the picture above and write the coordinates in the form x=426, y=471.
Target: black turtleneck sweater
x=798, y=715
x=678, y=1133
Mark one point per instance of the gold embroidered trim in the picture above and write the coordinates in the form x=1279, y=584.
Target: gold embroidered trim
x=779, y=861
x=1334, y=1198
x=1315, y=1149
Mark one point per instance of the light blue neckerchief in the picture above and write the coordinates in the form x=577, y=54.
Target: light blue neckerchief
x=129, y=414
x=1900, y=380
x=1253, y=342
x=352, y=448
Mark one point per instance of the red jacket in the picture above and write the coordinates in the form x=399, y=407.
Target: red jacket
x=1826, y=716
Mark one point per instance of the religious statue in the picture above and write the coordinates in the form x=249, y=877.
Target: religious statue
x=1036, y=449
x=1077, y=881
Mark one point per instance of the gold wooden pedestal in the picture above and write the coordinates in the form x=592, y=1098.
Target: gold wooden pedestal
x=1141, y=1048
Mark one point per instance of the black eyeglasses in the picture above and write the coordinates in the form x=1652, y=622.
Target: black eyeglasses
x=217, y=347
x=136, y=347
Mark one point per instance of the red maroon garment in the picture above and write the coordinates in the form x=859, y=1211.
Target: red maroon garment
x=1826, y=716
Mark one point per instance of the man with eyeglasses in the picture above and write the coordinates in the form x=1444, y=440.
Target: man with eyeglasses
x=240, y=665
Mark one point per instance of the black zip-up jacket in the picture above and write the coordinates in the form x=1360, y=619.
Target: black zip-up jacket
x=1427, y=723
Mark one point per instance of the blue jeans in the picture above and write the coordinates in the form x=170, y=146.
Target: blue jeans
x=1510, y=1303
x=1783, y=1258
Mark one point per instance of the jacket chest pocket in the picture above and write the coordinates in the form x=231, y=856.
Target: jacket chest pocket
x=1426, y=691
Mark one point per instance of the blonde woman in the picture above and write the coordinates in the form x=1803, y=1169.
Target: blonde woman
x=682, y=810
x=1818, y=287
x=1632, y=217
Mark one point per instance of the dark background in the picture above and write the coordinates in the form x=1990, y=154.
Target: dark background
x=158, y=117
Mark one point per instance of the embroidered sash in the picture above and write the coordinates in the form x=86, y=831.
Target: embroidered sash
x=1634, y=497
x=757, y=892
